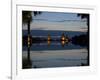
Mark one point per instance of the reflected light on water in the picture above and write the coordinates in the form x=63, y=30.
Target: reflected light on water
x=63, y=43
x=49, y=42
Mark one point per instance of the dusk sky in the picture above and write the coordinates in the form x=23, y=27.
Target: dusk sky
x=58, y=21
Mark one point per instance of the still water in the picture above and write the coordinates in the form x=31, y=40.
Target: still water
x=55, y=54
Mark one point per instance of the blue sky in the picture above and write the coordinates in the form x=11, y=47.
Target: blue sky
x=58, y=21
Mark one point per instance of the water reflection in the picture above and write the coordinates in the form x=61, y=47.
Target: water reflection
x=49, y=42
x=57, y=43
x=55, y=54
x=63, y=43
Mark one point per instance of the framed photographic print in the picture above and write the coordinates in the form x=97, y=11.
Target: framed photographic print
x=52, y=40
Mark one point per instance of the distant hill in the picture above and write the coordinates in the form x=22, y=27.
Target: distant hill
x=70, y=34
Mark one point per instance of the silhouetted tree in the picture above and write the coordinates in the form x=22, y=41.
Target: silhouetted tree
x=81, y=40
x=27, y=19
x=84, y=16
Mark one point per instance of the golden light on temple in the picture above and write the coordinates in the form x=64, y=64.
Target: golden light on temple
x=63, y=38
x=49, y=37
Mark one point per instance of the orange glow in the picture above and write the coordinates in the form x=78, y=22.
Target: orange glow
x=63, y=38
x=49, y=42
x=63, y=42
x=28, y=41
x=49, y=38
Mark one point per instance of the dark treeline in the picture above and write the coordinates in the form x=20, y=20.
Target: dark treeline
x=37, y=40
x=82, y=40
